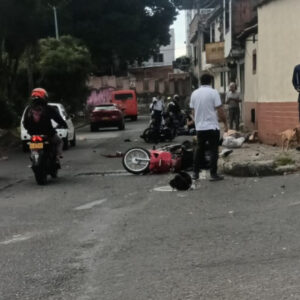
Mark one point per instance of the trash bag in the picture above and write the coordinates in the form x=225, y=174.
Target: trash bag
x=181, y=182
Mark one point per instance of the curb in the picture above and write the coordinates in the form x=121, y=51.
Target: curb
x=256, y=169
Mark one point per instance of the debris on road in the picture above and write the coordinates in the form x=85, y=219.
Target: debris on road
x=232, y=142
x=253, y=138
x=116, y=155
x=225, y=152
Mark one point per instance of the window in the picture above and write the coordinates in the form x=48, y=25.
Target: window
x=158, y=57
x=253, y=115
x=123, y=97
x=222, y=79
x=213, y=33
x=227, y=15
x=206, y=40
x=254, y=62
x=195, y=56
x=146, y=85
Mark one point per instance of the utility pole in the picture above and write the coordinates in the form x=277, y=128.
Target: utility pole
x=200, y=41
x=55, y=22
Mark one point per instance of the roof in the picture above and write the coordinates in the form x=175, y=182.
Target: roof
x=246, y=32
x=194, y=4
x=263, y=2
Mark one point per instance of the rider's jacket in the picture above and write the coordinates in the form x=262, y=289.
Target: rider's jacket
x=37, y=120
x=174, y=107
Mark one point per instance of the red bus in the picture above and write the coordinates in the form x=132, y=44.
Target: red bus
x=127, y=101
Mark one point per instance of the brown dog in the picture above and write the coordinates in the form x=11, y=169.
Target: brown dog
x=287, y=137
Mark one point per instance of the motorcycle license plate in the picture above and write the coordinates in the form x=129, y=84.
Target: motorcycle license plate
x=34, y=146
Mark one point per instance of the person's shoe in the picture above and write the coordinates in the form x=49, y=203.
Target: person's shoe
x=216, y=177
x=195, y=176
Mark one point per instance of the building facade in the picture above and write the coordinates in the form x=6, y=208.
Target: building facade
x=270, y=57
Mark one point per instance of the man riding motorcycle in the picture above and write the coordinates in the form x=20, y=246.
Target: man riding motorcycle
x=173, y=106
x=38, y=116
x=174, y=110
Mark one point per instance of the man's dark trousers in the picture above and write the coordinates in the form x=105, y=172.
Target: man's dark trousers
x=234, y=116
x=213, y=138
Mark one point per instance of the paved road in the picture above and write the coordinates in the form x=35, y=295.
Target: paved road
x=99, y=233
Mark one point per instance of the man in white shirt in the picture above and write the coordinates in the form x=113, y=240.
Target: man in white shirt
x=207, y=109
x=157, y=108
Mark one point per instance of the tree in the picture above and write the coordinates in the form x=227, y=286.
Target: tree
x=118, y=32
x=63, y=68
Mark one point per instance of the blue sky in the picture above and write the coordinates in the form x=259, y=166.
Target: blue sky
x=180, y=35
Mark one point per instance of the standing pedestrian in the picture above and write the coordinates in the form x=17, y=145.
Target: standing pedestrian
x=157, y=108
x=233, y=100
x=296, y=84
x=207, y=107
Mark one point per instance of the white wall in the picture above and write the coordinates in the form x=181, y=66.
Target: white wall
x=216, y=24
x=251, y=80
x=228, y=34
x=168, y=53
x=279, y=49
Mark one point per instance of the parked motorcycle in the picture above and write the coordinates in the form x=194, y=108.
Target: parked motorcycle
x=43, y=158
x=155, y=133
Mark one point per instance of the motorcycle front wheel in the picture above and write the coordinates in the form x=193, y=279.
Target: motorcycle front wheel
x=147, y=135
x=136, y=160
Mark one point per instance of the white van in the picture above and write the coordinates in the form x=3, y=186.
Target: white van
x=68, y=135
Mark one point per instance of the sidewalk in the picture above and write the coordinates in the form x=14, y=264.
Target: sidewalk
x=260, y=160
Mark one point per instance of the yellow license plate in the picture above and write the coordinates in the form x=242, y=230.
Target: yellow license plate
x=105, y=118
x=34, y=146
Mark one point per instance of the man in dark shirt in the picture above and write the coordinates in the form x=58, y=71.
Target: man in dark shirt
x=38, y=116
x=296, y=84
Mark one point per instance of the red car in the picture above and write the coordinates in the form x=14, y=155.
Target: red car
x=106, y=115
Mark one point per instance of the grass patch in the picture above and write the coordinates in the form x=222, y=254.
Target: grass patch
x=284, y=160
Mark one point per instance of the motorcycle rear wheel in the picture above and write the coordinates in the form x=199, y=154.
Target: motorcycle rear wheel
x=136, y=160
x=151, y=136
x=40, y=176
x=54, y=172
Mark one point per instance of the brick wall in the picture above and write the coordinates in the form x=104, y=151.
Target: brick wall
x=271, y=119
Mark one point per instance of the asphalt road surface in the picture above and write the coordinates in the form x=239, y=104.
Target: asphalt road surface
x=98, y=232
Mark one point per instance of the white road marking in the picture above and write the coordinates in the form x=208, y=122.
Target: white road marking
x=90, y=205
x=17, y=238
x=166, y=188
x=294, y=204
x=103, y=135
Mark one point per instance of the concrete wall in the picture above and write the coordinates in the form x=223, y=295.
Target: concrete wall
x=278, y=27
x=251, y=80
x=270, y=91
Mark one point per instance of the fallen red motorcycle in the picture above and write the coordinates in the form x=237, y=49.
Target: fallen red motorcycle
x=168, y=158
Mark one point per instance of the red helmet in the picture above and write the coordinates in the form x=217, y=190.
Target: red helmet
x=39, y=93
